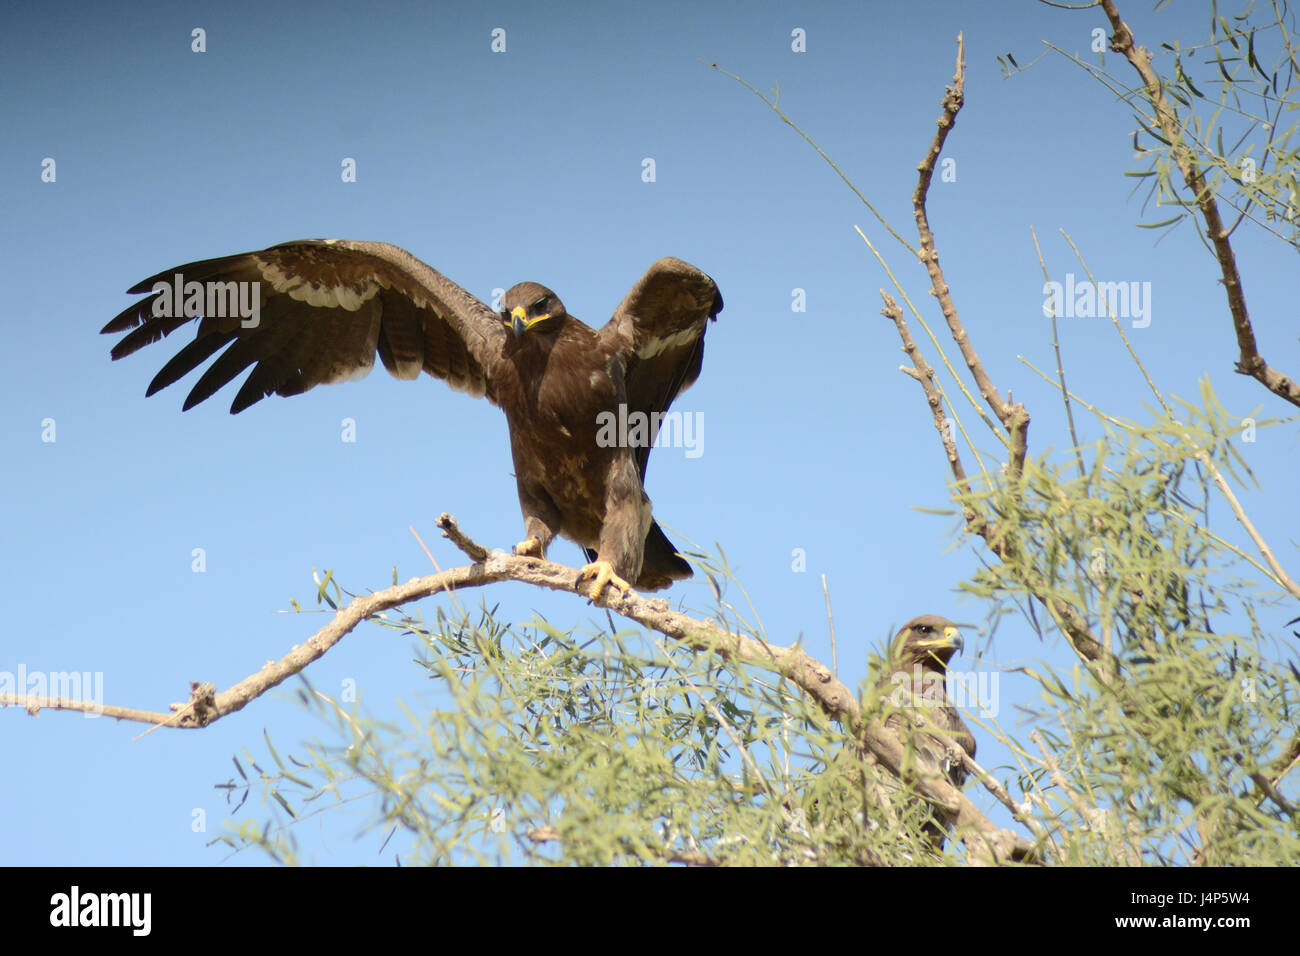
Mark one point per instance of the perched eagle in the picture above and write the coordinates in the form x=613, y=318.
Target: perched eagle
x=920, y=711
x=315, y=311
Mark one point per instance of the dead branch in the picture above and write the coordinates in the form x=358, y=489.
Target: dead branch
x=1013, y=416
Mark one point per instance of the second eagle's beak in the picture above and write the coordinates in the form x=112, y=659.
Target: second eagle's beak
x=953, y=638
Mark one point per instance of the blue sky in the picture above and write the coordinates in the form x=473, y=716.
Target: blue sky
x=497, y=168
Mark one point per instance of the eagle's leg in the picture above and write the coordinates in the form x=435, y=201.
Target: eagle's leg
x=622, y=533
x=541, y=520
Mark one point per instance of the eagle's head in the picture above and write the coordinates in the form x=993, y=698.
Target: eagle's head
x=531, y=307
x=928, y=640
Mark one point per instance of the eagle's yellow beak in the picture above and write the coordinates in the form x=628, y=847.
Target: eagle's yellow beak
x=953, y=637
x=520, y=323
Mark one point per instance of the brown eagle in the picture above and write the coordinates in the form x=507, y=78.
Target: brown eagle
x=316, y=311
x=912, y=686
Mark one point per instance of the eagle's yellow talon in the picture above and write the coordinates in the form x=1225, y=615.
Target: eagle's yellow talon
x=604, y=574
x=529, y=547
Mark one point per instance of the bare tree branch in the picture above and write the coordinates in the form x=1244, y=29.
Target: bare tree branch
x=1014, y=417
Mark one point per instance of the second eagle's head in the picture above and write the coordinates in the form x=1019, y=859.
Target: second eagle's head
x=531, y=307
x=928, y=641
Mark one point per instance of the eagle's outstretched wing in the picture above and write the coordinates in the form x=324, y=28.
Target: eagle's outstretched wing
x=659, y=330
x=323, y=309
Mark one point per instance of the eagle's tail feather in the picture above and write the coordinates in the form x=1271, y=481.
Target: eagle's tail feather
x=660, y=563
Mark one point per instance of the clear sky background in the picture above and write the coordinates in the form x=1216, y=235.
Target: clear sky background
x=501, y=167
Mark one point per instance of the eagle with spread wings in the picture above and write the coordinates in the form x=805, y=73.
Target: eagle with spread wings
x=317, y=312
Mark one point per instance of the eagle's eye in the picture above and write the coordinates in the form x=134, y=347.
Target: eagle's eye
x=924, y=628
x=540, y=305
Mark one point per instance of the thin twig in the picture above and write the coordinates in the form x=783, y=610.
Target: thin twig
x=1060, y=366
x=830, y=620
